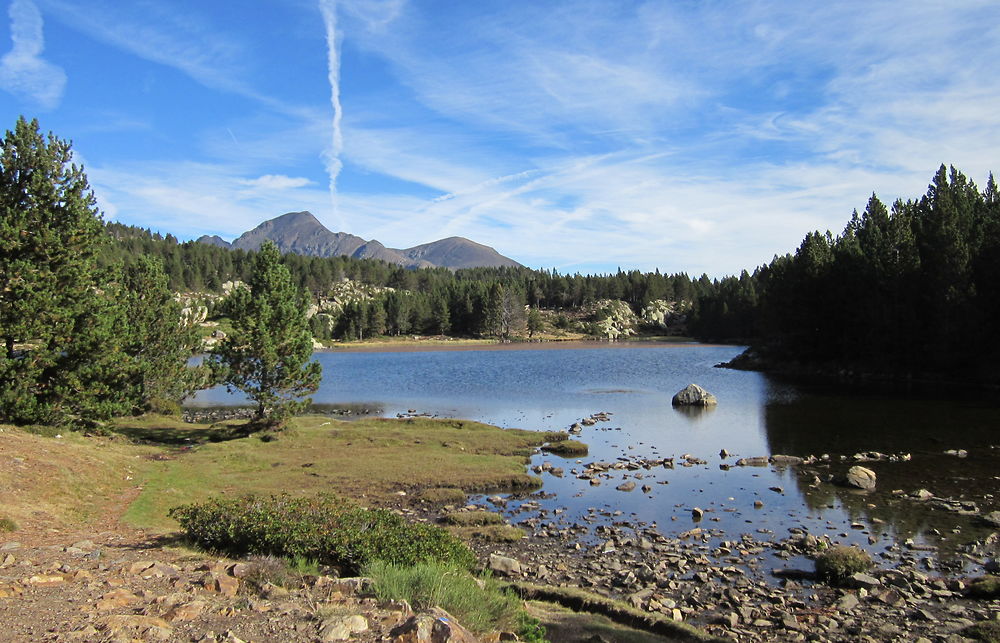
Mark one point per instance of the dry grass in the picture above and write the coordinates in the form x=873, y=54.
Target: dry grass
x=72, y=480
x=472, y=518
x=489, y=533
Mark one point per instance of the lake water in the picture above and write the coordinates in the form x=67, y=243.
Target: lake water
x=757, y=415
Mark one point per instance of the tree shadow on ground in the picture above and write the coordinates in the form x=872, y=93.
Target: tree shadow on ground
x=169, y=434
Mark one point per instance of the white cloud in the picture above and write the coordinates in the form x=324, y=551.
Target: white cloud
x=191, y=199
x=23, y=72
x=276, y=182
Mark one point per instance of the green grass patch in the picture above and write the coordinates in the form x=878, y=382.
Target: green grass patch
x=169, y=430
x=472, y=518
x=371, y=459
x=566, y=448
x=480, y=605
x=7, y=524
x=324, y=529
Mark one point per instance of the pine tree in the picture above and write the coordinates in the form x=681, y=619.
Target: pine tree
x=268, y=354
x=156, y=343
x=55, y=364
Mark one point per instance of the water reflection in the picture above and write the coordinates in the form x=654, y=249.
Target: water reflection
x=694, y=413
x=756, y=416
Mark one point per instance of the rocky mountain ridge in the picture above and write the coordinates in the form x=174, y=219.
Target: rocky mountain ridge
x=302, y=233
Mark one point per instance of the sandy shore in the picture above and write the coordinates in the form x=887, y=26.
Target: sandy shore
x=486, y=345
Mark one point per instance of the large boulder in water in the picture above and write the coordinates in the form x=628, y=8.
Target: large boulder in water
x=694, y=395
x=860, y=478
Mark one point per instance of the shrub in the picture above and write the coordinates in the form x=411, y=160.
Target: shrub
x=262, y=570
x=478, y=604
x=841, y=562
x=7, y=524
x=325, y=529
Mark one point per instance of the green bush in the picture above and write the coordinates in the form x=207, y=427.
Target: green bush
x=6, y=524
x=841, y=562
x=325, y=529
x=478, y=604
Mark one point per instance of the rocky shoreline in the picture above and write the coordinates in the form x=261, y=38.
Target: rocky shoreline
x=729, y=588
x=758, y=586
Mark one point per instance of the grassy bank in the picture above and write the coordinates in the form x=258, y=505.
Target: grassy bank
x=370, y=460
x=153, y=463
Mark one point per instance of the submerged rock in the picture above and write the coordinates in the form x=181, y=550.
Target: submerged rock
x=694, y=395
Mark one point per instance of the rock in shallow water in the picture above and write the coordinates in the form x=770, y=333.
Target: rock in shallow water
x=694, y=395
x=860, y=478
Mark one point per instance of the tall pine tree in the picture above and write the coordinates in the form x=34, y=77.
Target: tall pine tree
x=268, y=355
x=55, y=362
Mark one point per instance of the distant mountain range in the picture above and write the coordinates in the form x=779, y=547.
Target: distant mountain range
x=302, y=233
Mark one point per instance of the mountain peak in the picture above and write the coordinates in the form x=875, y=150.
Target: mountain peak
x=302, y=233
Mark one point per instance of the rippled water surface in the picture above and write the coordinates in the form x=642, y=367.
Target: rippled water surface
x=756, y=415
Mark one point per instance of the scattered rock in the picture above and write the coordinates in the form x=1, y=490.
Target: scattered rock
x=436, y=626
x=504, y=565
x=341, y=628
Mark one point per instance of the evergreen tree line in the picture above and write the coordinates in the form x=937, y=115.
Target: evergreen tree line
x=911, y=288
x=83, y=340
x=196, y=267
x=466, y=302
x=86, y=335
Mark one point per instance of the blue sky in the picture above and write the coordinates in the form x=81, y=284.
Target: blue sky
x=702, y=136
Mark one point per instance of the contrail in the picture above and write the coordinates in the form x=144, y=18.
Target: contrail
x=333, y=164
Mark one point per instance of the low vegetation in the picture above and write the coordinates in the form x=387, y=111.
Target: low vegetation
x=318, y=454
x=839, y=563
x=6, y=524
x=986, y=631
x=442, y=496
x=327, y=529
x=479, y=604
x=987, y=587
x=472, y=518
x=567, y=448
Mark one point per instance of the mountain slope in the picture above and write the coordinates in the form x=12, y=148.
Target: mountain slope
x=458, y=252
x=214, y=240
x=302, y=233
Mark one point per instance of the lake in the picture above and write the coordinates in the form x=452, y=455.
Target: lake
x=553, y=387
